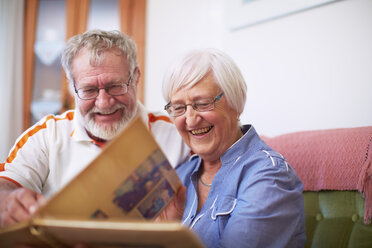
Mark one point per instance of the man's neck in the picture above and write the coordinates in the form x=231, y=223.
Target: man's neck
x=97, y=140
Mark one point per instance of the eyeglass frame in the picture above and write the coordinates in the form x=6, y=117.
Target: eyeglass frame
x=194, y=106
x=106, y=89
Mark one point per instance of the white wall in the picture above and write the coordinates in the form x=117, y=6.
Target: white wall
x=11, y=78
x=311, y=70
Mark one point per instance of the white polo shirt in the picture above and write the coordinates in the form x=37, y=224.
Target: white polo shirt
x=54, y=150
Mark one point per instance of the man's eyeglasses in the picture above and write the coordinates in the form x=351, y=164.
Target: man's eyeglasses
x=201, y=105
x=87, y=93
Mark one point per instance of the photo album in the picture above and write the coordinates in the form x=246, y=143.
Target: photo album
x=112, y=202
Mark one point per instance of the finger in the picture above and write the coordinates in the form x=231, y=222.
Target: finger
x=6, y=220
x=80, y=245
x=41, y=200
x=181, y=196
x=28, y=199
x=23, y=246
x=14, y=209
x=18, y=213
x=181, y=200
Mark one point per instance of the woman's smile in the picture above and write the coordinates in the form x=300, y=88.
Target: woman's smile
x=201, y=131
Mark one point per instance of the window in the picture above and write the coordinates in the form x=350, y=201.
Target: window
x=49, y=43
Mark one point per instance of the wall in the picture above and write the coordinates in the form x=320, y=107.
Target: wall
x=11, y=78
x=311, y=70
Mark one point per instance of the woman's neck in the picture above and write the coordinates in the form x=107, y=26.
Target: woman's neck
x=211, y=167
x=212, y=161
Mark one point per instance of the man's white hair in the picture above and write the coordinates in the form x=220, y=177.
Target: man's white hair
x=96, y=42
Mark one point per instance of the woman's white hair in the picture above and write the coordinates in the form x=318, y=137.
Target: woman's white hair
x=194, y=66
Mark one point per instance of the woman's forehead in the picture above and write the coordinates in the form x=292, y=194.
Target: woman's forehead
x=206, y=87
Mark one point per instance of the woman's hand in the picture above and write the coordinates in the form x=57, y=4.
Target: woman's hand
x=174, y=210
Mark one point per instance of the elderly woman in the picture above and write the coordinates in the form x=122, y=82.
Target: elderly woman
x=239, y=192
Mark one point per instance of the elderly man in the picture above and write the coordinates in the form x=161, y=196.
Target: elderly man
x=103, y=74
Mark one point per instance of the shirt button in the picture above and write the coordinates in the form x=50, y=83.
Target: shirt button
x=319, y=217
x=354, y=218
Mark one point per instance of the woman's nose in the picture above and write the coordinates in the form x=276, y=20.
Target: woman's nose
x=190, y=115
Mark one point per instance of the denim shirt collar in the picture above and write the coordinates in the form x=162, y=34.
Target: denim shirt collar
x=242, y=146
x=247, y=144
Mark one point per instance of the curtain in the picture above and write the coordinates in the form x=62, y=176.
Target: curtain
x=133, y=22
x=30, y=13
x=76, y=23
x=11, y=73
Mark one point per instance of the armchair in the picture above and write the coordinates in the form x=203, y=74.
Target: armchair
x=335, y=166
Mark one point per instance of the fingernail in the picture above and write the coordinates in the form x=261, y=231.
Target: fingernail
x=32, y=209
x=42, y=201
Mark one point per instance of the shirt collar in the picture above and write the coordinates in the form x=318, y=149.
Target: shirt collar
x=246, y=144
x=80, y=133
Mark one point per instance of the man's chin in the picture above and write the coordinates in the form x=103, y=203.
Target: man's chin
x=106, y=132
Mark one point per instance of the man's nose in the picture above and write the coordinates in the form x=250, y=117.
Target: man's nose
x=103, y=99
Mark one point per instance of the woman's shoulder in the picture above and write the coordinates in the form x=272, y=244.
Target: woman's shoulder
x=266, y=167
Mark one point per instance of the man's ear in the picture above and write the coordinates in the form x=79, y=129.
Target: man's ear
x=136, y=75
x=71, y=88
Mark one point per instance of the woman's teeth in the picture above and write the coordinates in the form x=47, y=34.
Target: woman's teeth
x=201, y=130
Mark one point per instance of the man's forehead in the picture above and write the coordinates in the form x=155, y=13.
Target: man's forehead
x=96, y=56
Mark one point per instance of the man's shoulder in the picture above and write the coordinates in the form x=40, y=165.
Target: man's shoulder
x=50, y=122
x=65, y=117
x=154, y=117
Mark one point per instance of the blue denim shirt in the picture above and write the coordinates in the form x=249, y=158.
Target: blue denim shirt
x=255, y=199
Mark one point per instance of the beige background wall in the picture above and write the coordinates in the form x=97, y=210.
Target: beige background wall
x=311, y=70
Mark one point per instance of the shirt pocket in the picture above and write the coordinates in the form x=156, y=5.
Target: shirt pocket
x=221, y=211
x=224, y=207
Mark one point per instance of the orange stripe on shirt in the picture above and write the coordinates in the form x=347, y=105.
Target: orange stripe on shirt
x=99, y=143
x=17, y=183
x=23, y=140
x=153, y=118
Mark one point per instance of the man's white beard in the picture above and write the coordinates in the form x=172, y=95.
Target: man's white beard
x=108, y=133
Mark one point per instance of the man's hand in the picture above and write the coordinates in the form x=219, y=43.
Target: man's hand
x=174, y=211
x=17, y=204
